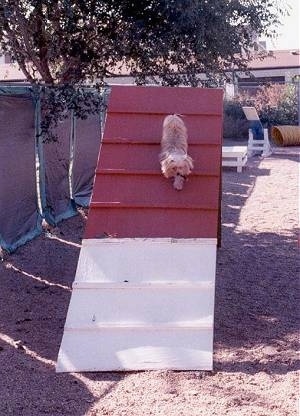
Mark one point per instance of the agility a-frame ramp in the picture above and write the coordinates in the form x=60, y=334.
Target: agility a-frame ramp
x=143, y=295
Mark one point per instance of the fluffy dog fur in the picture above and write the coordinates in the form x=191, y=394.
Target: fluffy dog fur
x=174, y=160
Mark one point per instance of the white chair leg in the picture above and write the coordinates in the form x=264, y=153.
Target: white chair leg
x=267, y=151
x=239, y=165
x=250, y=143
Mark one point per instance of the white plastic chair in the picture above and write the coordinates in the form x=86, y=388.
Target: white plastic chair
x=257, y=145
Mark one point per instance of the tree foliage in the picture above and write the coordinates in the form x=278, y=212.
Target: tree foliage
x=75, y=41
x=67, y=44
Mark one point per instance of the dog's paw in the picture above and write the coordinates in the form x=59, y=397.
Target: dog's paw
x=178, y=182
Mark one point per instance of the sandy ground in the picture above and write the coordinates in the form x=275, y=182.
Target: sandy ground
x=256, y=318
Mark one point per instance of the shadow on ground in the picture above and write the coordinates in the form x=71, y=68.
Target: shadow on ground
x=256, y=305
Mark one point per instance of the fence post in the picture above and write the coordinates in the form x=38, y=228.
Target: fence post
x=298, y=95
x=39, y=159
x=72, y=152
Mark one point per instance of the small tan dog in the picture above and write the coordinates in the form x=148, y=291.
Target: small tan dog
x=174, y=160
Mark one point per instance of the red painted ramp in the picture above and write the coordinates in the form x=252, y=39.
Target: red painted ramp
x=131, y=198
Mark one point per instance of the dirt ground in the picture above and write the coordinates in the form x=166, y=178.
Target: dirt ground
x=256, y=316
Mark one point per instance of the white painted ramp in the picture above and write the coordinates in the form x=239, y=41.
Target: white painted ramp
x=141, y=304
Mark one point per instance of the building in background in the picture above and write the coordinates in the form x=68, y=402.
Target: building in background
x=10, y=71
x=279, y=67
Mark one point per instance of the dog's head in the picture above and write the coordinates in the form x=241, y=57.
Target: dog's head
x=177, y=165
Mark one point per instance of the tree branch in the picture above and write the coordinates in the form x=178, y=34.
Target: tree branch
x=17, y=54
x=39, y=59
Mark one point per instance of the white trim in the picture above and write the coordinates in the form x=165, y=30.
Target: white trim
x=179, y=284
x=204, y=324
x=167, y=240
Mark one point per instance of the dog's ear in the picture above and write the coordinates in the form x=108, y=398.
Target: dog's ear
x=189, y=161
x=167, y=167
x=164, y=169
